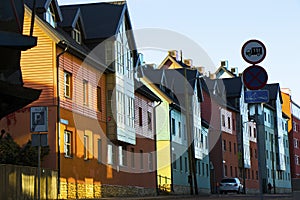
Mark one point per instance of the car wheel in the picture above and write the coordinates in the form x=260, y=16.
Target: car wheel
x=238, y=191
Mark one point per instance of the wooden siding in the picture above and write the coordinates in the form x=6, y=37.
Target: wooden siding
x=79, y=72
x=147, y=106
x=37, y=65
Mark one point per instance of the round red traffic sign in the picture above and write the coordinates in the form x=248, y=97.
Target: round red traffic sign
x=255, y=77
x=254, y=51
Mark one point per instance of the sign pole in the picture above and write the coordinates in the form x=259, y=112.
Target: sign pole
x=39, y=167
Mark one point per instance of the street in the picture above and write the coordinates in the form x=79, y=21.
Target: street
x=212, y=197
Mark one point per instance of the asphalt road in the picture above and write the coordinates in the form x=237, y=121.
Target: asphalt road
x=214, y=197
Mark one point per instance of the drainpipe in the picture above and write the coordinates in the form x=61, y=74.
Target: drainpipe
x=171, y=154
x=155, y=146
x=58, y=113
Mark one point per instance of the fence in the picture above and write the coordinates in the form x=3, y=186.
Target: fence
x=164, y=183
x=20, y=182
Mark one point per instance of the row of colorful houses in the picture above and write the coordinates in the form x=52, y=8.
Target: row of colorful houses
x=120, y=127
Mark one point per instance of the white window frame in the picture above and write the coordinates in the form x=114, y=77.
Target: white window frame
x=68, y=143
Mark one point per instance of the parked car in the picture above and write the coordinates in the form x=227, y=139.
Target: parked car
x=230, y=185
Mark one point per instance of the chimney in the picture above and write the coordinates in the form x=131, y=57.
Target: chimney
x=174, y=54
x=234, y=71
x=224, y=64
x=212, y=76
x=201, y=69
x=188, y=62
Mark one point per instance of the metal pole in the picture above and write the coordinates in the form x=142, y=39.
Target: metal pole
x=39, y=168
x=257, y=120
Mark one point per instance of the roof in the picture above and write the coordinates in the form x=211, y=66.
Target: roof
x=42, y=5
x=101, y=20
x=145, y=91
x=273, y=89
x=233, y=86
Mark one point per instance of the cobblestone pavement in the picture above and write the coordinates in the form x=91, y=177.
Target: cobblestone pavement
x=213, y=197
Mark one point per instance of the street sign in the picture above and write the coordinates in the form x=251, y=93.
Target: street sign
x=39, y=119
x=255, y=77
x=254, y=51
x=256, y=96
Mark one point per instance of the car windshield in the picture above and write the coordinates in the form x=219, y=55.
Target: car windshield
x=228, y=180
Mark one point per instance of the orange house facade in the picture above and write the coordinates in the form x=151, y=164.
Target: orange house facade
x=73, y=91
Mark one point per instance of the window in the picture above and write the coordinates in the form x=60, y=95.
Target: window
x=225, y=170
x=234, y=148
x=149, y=114
x=223, y=120
x=229, y=146
x=184, y=132
x=224, y=145
x=99, y=150
x=110, y=154
x=68, y=143
x=296, y=143
x=207, y=170
x=141, y=159
x=50, y=16
x=132, y=158
x=150, y=158
x=85, y=92
x=174, y=161
x=179, y=129
x=67, y=84
x=99, y=99
x=122, y=156
x=86, y=147
x=173, y=126
x=76, y=34
x=229, y=124
x=231, y=171
x=254, y=132
x=180, y=163
x=185, y=164
x=140, y=116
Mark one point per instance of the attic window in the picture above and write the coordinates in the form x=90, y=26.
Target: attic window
x=76, y=34
x=50, y=16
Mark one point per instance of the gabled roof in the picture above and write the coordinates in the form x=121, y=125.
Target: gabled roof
x=42, y=6
x=71, y=17
x=274, y=90
x=172, y=82
x=221, y=70
x=101, y=20
x=233, y=87
x=145, y=91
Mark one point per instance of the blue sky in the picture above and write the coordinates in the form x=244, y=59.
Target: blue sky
x=219, y=29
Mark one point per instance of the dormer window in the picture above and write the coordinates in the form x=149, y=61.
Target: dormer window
x=76, y=34
x=50, y=16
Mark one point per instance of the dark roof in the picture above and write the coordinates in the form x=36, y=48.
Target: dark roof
x=42, y=5
x=174, y=80
x=273, y=89
x=101, y=20
x=216, y=89
x=233, y=86
x=145, y=91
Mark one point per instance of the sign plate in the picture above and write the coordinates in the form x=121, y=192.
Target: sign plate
x=256, y=96
x=39, y=119
x=255, y=77
x=254, y=51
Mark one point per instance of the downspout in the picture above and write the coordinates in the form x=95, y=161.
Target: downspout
x=155, y=146
x=171, y=155
x=58, y=113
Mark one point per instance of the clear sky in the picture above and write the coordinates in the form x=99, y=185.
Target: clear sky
x=220, y=28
